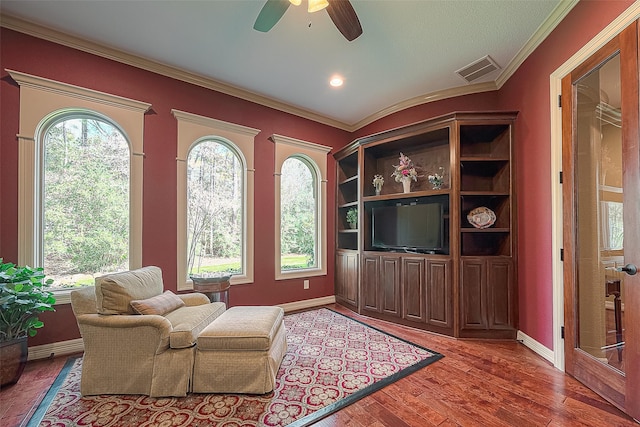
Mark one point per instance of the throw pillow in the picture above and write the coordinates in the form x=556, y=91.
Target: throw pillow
x=115, y=291
x=160, y=304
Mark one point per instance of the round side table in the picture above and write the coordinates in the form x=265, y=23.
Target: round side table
x=215, y=288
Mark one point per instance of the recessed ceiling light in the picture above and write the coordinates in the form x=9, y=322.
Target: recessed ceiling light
x=336, y=81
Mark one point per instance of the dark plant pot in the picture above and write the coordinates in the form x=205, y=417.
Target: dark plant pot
x=13, y=359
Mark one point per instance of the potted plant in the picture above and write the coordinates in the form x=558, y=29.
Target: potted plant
x=24, y=293
x=352, y=217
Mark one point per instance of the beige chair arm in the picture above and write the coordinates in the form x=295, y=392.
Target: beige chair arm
x=125, y=321
x=194, y=298
x=124, y=334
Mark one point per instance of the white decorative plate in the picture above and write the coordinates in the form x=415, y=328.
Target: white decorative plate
x=482, y=217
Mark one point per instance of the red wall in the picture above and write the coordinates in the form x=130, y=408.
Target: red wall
x=526, y=91
x=41, y=58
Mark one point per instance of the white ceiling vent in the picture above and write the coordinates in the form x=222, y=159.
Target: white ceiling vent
x=477, y=69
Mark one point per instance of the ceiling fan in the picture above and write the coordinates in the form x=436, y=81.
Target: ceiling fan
x=341, y=13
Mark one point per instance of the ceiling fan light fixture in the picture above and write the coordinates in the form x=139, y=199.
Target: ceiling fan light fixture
x=316, y=5
x=336, y=81
x=295, y=2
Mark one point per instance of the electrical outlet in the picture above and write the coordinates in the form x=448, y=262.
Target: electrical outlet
x=306, y=284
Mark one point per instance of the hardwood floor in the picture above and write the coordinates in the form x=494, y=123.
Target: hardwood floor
x=477, y=383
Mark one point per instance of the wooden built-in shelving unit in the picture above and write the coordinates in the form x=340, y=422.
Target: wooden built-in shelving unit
x=467, y=289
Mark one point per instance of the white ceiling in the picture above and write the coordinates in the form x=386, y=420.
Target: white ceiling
x=408, y=52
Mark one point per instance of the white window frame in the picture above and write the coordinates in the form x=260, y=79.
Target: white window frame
x=41, y=100
x=316, y=157
x=192, y=130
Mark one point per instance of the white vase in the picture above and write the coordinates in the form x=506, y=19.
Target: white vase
x=406, y=185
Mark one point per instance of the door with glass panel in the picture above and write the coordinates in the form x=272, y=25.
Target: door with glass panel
x=601, y=205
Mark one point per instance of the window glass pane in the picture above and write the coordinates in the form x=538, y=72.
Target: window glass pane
x=298, y=208
x=86, y=201
x=214, y=210
x=612, y=227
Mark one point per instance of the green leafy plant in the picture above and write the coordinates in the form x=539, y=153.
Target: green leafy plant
x=352, y=216
x=23, y=295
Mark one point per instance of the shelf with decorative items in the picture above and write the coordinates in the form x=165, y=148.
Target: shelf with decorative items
x=347, y=238
x=347, y=197
x=487, y=243
x=485, y=225
x=459, y=169
x=407, y=171
x=485, y=211
x=347, y=226
x=401, y=196
x=486, y=186
x=407, y=158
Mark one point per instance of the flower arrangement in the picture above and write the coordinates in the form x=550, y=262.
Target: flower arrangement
x=378, y=181
x=405, y=170
x=437, y=179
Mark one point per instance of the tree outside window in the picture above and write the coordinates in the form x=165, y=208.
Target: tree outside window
x=214, y=209
x=612, y=225
x=86, y=175
x=298, y=209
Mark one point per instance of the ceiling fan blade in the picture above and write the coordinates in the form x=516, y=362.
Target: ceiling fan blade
x=344, y=17
x=270, y=14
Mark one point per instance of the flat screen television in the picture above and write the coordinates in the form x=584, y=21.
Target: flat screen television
x=415, y=227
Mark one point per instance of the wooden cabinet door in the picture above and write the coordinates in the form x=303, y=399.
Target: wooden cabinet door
x=439, y=296
x=473, y=285
x=500, y=293
x=413, y=285
x=390, y=285
x=370, y=284
x=347, y=278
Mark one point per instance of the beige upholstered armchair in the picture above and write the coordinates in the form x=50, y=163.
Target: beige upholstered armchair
x=137, y=339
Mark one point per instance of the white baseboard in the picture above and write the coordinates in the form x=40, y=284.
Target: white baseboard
x=536, y=347
x=309, y=303
x=60, y=348
x=75, y=346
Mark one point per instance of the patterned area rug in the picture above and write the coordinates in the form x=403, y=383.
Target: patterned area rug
x=331, y=362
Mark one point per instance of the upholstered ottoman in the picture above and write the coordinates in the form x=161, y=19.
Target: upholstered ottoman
x=241, y=351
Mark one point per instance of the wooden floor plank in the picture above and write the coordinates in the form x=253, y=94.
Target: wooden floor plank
x=402, y=393
x=477, y=383
x=405, y=413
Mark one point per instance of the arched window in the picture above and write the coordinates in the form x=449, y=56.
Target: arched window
x=85, y=199
x=64, y=129
x=215, y=198
x=215, y=209
x=298, y=215
x=301, y=208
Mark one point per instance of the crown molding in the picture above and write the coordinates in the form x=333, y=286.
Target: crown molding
x=104, y=51
x=558, y=14
x=39, y=31
x=424, y=99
